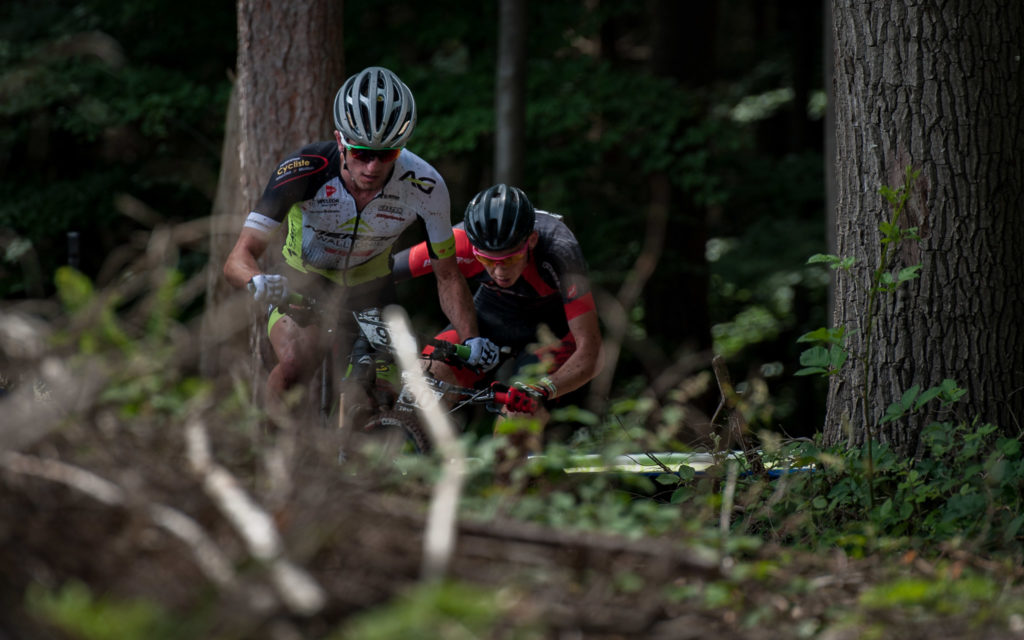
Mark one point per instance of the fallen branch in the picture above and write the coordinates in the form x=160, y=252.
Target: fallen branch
x=439, y=537
x=296, y=588
x=208, y=556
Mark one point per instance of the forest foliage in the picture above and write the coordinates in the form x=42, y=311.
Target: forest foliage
x=107, y=133
x=111, y=117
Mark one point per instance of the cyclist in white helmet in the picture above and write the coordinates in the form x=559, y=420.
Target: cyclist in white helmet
x=342, y=204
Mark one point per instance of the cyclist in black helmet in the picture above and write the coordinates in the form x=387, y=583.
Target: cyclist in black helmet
x=531, y=272
x=343, y=203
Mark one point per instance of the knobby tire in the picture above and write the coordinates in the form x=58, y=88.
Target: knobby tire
x=404, y=422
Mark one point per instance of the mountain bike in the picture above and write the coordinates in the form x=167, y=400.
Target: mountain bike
x=372, y=399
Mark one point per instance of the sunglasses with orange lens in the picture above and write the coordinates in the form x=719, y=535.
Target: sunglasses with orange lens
x=362, y=154
x=507, y=260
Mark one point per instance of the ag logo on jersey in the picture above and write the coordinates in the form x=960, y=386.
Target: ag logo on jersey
x=426, y=185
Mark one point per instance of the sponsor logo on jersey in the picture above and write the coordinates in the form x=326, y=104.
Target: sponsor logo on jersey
x=389, y=212
x=329, y=191
x=294, y=165
x=550, y=268
x=572, y=292
x=294, y=168
x=350, y=226
x=426, y=185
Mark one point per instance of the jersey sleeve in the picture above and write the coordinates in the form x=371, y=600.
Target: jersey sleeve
x=437, y=216
x=296, y=178
x=412, y=262
x=574, y=281
x=415, y=261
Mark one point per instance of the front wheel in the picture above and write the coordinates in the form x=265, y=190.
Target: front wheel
x=392, y=433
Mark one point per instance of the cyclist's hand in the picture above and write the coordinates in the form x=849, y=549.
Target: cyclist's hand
x=522, y=399
x=527, y=398
x=269, y=288
x=484, y=354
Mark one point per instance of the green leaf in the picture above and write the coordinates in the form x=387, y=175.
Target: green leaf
x=908, y=273
x=837, y=357
x=681, y=494
x=75, y=289
x=817, y=356
x=893, y=412
x=950, y=391
x=924, y=398
x=907, y=400
x=666, y=478
x=1011, y=529
x=809, y=371
x=825, y=335
x=819, y=258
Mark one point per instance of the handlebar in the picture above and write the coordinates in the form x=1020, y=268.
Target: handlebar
x=496, y=396
x=453, y=353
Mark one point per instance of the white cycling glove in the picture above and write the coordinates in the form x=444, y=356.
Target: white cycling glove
x=269, y=288
x=484, y=354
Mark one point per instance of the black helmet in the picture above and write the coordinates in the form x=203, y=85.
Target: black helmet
x=375, y=109
x=499, y=218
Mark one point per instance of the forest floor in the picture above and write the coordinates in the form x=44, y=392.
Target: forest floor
x=101, y=514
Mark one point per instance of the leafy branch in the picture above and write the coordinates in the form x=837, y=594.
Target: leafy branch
x=830, y=352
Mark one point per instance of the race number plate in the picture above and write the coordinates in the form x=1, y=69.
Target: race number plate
x=375, y=329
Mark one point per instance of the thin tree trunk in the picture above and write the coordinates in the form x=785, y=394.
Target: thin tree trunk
x=510, y=93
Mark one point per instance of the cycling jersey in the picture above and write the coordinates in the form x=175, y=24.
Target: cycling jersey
x=553, y=289
x=328, y=236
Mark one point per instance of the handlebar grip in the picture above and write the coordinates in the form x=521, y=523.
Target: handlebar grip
x=463, y=351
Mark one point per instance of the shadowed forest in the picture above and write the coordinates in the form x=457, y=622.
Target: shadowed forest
x=692, y=150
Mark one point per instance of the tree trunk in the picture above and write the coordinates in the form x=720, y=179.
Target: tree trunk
x=510, y=93
x=936, y=86
x=290, y=64
x=222, y=336
x=829, y=142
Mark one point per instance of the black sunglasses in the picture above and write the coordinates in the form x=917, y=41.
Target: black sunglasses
x=362, y=154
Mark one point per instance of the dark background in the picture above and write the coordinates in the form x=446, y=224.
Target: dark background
x=111, y=117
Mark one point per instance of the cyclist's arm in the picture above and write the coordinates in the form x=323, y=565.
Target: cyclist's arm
x=456, y=301
x=586, y=361
x=418, y=260
x=242, y=264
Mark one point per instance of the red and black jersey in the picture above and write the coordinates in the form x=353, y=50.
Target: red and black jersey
x=553, y=289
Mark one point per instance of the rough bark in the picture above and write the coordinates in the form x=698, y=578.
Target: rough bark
x=936, y=86
x=290, y=64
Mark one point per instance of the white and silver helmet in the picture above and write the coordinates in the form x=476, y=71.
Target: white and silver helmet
x=375, y=109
